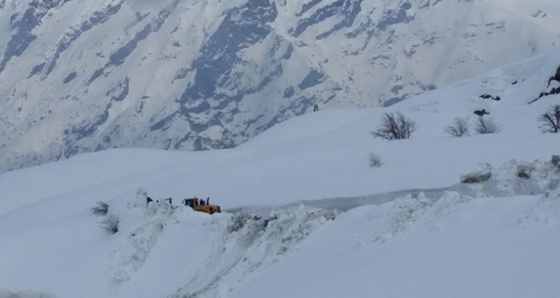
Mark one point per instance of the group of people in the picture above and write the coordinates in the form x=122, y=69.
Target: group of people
x=188, y=202
x=200, y=201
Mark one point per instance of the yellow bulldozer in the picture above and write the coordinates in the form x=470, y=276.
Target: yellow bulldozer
x=200, y=205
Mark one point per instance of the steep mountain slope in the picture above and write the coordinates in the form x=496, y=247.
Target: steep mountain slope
x=303, y=208
x=78, y=76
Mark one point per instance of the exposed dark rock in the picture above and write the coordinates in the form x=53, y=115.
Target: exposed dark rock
x=523, y=175
x=120, y=91
x=87, y=128
x=555, y=77
x=488, y=96
x=351, y=11
x=313, y=78
x=275, y=73
x=524, y=171
x=36, y=69
x=289, y=92
x=306, y=6
x=95, y=75
x=241, y=28
x=289, y=52
x=555, y=160
x=319, y=16
x=554, y=90
x=393, y=17
x=394, y=100
x=481, y=112
x=163, y=124
x=119, y=56
x=24, y=26
x=428, y=87
x=69, y=77
x=481, y=175
x=98, y=17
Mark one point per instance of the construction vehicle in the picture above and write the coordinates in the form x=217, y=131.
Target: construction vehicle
x=201, y=206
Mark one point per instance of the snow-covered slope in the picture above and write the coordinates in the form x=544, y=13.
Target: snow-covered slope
x=303, y=208
x=450, y=246
x=79, y=76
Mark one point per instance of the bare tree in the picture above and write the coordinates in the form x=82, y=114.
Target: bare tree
x=374, y=160
x=395, y=127
x=459, y=128
x=550, y=121
x=486, y=126
x=111, y=223
x=101, y=209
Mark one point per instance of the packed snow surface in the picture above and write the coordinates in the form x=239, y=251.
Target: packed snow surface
x=304, y=215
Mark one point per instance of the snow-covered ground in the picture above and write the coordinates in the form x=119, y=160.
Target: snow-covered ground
x=304, y=213
x=81, y=76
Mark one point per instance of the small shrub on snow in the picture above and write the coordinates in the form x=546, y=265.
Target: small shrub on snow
x=459, y=128
x=550, y=121
x=101, y=209
x=374, y=160
x=395, y=127
x=111, y=223
x=486, y=126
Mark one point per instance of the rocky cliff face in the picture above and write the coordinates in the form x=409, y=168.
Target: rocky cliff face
x=78, y=76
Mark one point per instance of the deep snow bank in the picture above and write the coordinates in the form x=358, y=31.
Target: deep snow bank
x=202, y=255
x=240, y=247
x=429, y=245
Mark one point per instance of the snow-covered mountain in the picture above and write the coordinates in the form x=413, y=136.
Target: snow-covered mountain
x=79, y=76
x=304, y=213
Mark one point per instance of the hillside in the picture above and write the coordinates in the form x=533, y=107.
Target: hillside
x=80, y=76
x=303, y=208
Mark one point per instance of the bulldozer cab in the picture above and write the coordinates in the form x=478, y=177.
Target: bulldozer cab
x=201, y=206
